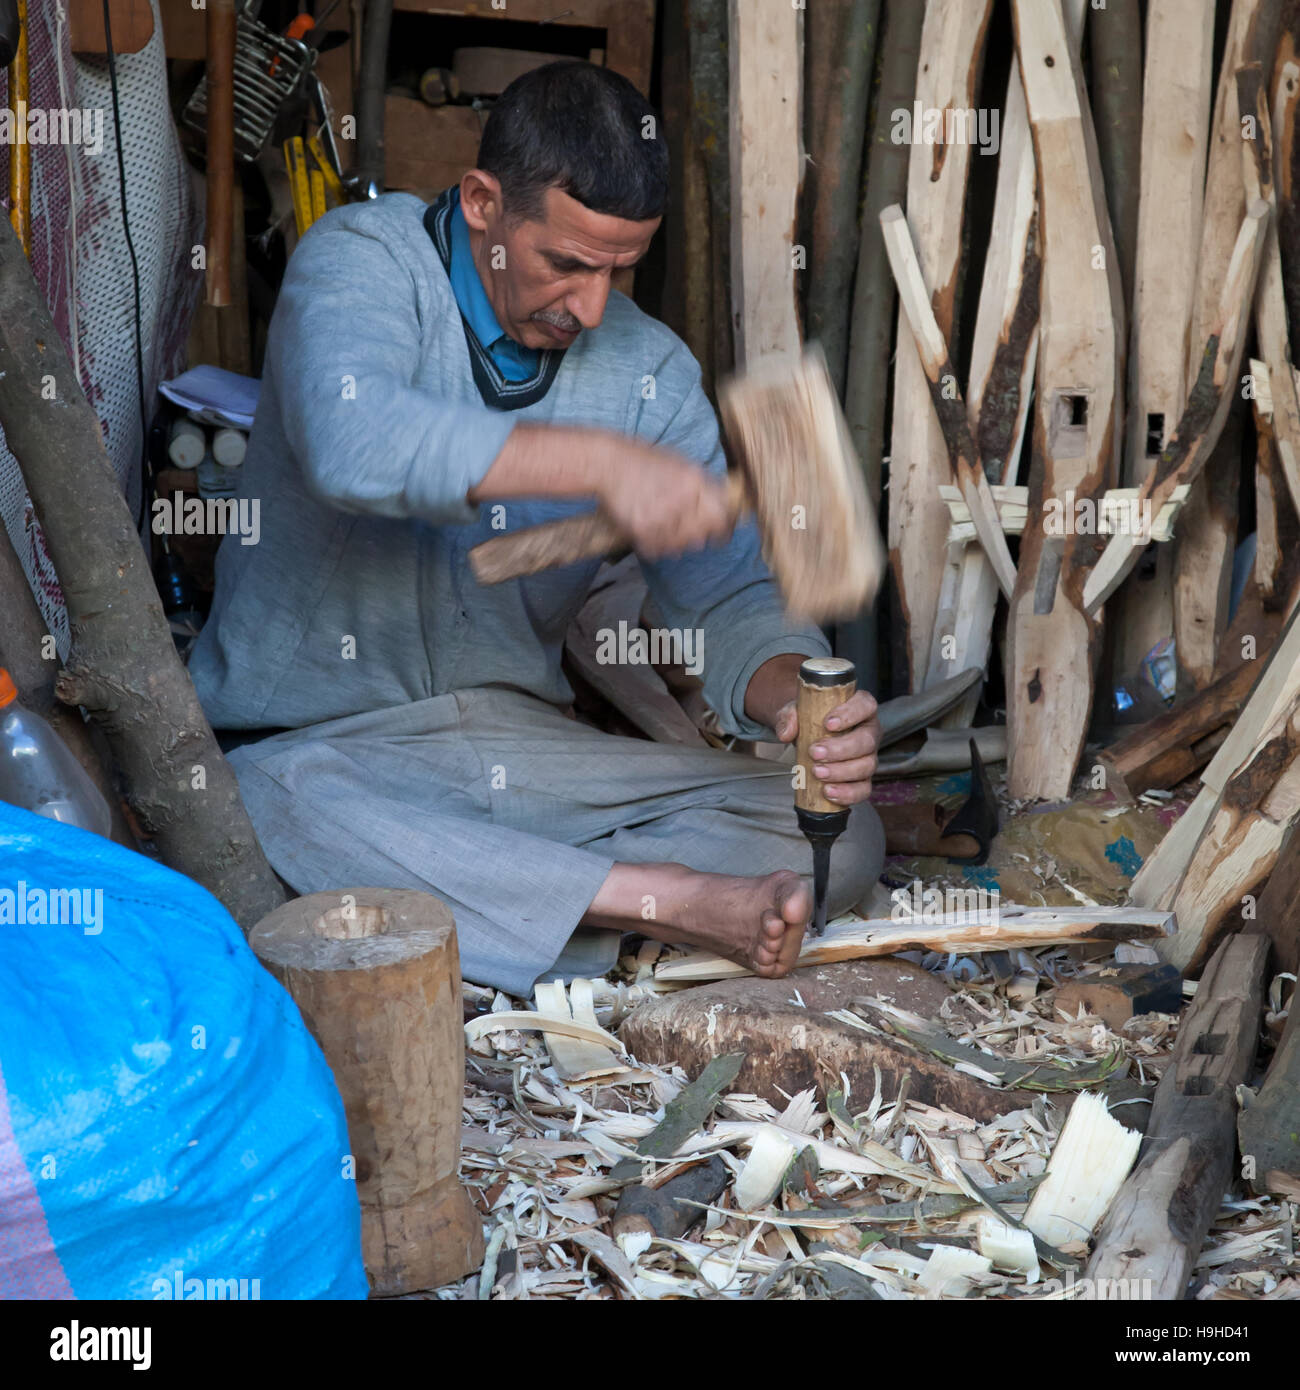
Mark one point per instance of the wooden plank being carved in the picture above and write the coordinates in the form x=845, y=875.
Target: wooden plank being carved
x=1175, y=125
x=765, y=41
x=1157, y=1224
x=1053, y=644
x=952, y=42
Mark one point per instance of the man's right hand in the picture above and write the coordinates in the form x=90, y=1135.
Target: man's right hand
x=662, y=502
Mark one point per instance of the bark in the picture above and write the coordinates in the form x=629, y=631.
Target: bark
x=710, y=127
x=839, y=60
x=123, y=667
x=1115, y=34
x=871, y=325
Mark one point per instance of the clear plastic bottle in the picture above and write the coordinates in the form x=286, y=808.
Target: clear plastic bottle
x=39, y=772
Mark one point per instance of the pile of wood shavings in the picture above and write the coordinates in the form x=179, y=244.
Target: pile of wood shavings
x=538, y=1155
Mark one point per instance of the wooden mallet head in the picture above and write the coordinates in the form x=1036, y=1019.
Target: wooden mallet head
x=794, y=465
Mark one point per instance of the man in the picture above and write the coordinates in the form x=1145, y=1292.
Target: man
x=433, y=376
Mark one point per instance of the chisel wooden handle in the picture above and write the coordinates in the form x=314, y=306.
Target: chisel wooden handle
x=824, y=683
x=538, y=548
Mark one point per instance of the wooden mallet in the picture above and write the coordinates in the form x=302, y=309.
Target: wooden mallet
x=795, y=468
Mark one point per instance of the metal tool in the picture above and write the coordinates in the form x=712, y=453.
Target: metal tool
x=824, y=683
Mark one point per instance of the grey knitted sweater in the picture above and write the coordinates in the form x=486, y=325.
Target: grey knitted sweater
x=378, y=414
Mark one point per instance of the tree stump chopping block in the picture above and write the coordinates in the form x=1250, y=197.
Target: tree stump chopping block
x=376, y=974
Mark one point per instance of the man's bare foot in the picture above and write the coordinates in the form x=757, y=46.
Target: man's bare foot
x=758, y=922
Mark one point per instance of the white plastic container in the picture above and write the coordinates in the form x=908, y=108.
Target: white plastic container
x=38, y=771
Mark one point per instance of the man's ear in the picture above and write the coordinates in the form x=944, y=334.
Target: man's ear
x=480, y=199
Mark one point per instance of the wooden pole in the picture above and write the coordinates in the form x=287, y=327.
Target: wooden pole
x=1156, y=1226
x=123, y=667
x=376, y=974
x=765, y=42
x=220, y=147
x=871, y=327
x=840, y=56
x=1115, y=38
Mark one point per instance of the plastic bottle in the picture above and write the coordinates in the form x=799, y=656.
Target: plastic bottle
x=39, y=772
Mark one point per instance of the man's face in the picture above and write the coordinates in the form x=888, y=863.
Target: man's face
x=548, y=279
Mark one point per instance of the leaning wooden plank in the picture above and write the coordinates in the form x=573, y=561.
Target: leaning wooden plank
x=963, y=929
x=949, y=408
x=1267, y=571
x=1206, y=537
x=1115, y=42
x=1286, y=156
x=1168, y=749
x=1087, y=1168
x=1272, y=336
x=1158, y=1222
x=952, y=42
x=765, y=42
x=1004, y=352
x=1175, y=123
x=1157, y=881
x=1240, y=846
x=1183, y=459
x=1053, y=644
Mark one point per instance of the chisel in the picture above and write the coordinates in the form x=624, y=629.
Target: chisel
x=824, y=683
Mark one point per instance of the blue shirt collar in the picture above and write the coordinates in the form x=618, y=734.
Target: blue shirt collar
x=466, y=285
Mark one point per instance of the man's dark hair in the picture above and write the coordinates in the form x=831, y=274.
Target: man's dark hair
x=584, y=130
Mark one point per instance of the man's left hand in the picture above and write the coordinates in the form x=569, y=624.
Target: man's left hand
x=844, y=762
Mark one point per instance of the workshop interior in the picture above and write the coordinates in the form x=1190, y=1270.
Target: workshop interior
x=648, y=651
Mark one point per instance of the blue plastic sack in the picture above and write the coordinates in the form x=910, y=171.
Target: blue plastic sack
x=168, y=1126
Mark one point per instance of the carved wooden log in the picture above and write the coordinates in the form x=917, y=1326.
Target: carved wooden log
x=1053, y=643
x=376, y=974
x=1157, y=1224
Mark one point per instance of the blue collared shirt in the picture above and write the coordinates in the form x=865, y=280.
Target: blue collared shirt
x=515, y=362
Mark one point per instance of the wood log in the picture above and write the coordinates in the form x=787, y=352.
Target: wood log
x=952, y=44
x=1154, y=1230
x=1053, y=643
x=765, y=42
x=1175, y=126
x=1207, y=533
x=839, y=59
x=788, y=1048
x=376, y=973
x=1202, y=422
x=1276, y=911
x=1169, y=748
x=123, y=668
x=1115, y=40
x=871, y=327
x=949, y=408
x=968, y=928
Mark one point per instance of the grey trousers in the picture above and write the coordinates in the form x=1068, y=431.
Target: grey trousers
x=514, y=814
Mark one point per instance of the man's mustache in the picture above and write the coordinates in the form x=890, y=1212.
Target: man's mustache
x=566, y=323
